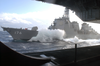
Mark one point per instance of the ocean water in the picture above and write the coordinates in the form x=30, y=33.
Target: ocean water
x=46, y=40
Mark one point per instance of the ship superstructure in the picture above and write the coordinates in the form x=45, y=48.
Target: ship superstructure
x=72, y=28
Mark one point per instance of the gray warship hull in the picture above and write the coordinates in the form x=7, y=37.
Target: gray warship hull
x=20, y=34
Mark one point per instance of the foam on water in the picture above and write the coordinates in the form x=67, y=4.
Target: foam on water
x=46, y=35
x=77, y=40
x=74, y=40
x=9, y=36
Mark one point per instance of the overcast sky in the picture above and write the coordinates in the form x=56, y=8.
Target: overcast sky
x=29, y=13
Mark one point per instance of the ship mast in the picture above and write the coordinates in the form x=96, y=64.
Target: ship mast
x=66, y=14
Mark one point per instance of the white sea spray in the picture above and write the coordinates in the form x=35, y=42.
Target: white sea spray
x=46, y=35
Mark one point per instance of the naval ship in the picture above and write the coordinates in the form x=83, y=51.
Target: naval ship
x=72, y=28
x=21, y=34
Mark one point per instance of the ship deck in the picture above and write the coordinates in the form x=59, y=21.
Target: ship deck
x=84, y=56
x=64, y=53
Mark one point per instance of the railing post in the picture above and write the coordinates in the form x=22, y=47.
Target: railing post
x=75, y=53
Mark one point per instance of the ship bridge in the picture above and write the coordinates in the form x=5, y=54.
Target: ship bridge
x=86, y=10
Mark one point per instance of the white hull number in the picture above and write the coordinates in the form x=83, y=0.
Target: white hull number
x=18, y=32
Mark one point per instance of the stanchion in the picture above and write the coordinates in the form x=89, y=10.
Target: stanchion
x=75, y=53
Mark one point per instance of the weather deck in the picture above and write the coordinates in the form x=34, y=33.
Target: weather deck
x=81, y=56
x=84, y=56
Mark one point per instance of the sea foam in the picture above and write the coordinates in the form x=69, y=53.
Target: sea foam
x=77, y=40
x=46, y=35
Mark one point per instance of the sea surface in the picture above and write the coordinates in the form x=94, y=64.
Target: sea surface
x=34, y=46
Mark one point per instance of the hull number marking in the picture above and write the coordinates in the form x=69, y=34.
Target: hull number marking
x=18, y=32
